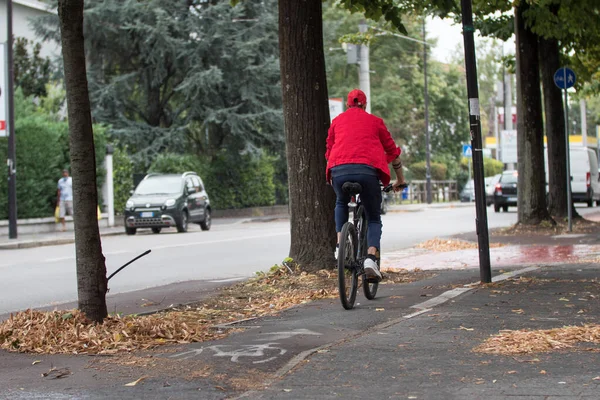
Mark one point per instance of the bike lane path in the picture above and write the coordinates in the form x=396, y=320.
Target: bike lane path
x=257, y=352
x=431, y=356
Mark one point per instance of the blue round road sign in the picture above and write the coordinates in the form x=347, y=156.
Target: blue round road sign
x=564, y=78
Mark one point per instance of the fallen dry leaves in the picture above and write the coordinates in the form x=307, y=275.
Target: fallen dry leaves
x=443, y=245
x=537, y=341
x=267, y=294
x=579, y=225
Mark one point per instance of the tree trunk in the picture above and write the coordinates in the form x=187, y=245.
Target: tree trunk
x=306, y=119
x=91, y=270
x=555, y=131
x=530, y=131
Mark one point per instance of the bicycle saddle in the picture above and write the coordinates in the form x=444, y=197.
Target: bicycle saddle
x=352, y=188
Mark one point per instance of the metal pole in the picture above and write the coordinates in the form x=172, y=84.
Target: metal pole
x=11, y=162
x=427, y=144
x=569, y=202
x=363, y=73
x=110, y=185
x=476, y=142
x=583, y=123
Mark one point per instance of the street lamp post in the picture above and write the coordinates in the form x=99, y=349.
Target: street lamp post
x=11, y=161
x=476, y=142
x=427, y=144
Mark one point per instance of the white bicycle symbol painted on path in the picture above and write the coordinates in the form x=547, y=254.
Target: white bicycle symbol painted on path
x=269, y=350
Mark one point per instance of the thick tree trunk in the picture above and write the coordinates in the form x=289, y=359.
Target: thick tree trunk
x=91, y=270
x=530, y=130
x=555, y=129
x=306, y=118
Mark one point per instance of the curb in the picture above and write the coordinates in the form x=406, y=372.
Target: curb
x=28, y=244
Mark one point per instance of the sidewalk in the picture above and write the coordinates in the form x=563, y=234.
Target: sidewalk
x=415, y=341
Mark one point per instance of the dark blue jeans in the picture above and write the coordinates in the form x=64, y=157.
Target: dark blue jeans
x=371, y=200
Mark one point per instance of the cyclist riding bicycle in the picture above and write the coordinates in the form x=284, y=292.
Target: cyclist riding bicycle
x=359, y=149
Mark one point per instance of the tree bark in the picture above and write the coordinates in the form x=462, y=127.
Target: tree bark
x=530, y=130
x=555, y=129
x=306, y=119
x=91, y=270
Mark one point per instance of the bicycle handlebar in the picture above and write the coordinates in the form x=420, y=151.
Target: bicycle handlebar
x=389, y=187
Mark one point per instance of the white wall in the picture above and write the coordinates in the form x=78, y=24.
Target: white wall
x=23, y=12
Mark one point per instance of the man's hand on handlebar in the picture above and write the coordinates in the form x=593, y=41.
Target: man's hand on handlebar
x=396, y=186
x=399, y=185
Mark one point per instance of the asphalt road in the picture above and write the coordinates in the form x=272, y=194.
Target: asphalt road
x=46, y=275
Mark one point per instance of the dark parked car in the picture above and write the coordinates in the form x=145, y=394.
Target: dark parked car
x=168, y=200
x=505, y=193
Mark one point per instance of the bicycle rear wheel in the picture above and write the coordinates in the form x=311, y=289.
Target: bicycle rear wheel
x=347, y=271
x=369, y=287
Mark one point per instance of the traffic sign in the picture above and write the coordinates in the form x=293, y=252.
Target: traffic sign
x=467, y=151
x=564, y=78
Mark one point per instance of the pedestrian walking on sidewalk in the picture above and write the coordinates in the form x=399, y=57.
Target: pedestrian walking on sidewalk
x=65, y=198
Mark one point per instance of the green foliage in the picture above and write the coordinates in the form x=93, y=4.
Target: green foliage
x=171, y=163
x=376, y=10
x=240, y=181
x=231, y=181
x=491, y=166
x=42, y=145
x=31, y=71
x=438, y=171
x=39, y=155
x=122, y=177
x=185, y=76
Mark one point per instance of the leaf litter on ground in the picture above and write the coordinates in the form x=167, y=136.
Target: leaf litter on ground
x=527, y=341
x=443, y=245
x=70, y=332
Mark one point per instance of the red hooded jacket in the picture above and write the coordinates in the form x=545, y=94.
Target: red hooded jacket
x=357, y=137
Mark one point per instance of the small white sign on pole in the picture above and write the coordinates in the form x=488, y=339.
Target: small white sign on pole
x=508, y=146
x=336, y=107
x=3, y=97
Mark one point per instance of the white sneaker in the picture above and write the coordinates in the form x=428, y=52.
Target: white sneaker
x=371, y=270
x=335, y=253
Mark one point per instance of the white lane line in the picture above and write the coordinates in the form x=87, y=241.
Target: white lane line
x=507, y=275
x=236, y=239
x=450, y=294
x=51, y=260
x=441, y=299
x=228, y=280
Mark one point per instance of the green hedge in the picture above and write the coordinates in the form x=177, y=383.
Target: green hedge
x=232, y=181
x=42, y=147
x=39, y=165
x=122, y=177
x=419, y=171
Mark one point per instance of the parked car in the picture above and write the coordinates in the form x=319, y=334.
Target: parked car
x=468, y=192
x=490, y=187
x=168, y=200
x=505, y=191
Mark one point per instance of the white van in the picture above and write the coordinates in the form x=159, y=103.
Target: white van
x=585, y=187
x=585, y=183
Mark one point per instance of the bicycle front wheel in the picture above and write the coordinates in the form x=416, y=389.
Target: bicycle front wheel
x=347, y=271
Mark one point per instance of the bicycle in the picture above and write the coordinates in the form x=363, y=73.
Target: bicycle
x=353, y=250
